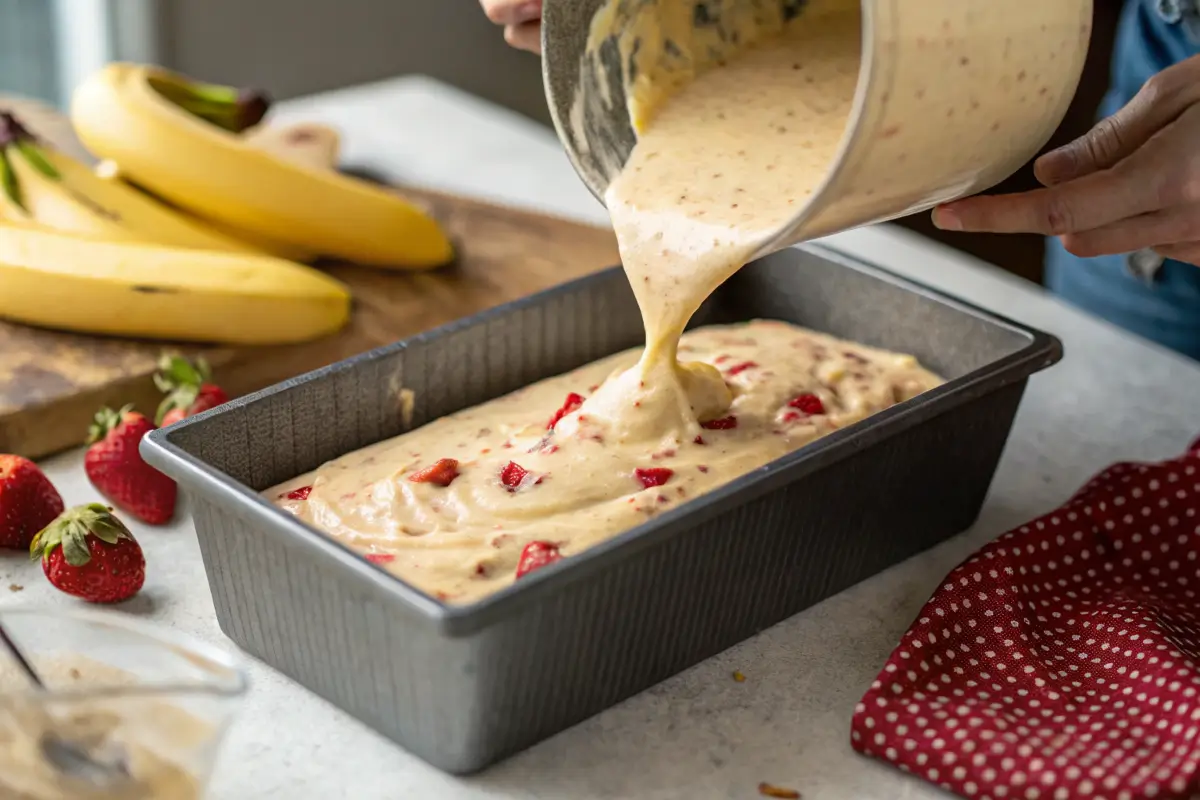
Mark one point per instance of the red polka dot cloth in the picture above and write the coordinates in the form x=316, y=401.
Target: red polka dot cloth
x=1060, y=661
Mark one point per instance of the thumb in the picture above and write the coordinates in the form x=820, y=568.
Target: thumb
x=1159, y=102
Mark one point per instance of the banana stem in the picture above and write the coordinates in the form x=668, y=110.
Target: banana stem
x=11, y=129
x=33, y=154
x=8, y=182
x=14, y=135
x=235, y=110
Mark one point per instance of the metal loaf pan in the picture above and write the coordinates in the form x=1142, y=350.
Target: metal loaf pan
x=463, y=686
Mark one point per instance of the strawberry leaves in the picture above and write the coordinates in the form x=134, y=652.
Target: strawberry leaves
x=105, y=421
x=181, y=380
x=71, y=529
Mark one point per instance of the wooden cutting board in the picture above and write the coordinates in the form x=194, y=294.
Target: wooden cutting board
x=52, y=383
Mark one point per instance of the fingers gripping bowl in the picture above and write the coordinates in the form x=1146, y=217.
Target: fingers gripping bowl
x=464, y=684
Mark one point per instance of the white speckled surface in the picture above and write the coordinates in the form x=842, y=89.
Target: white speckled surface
x=700, y=734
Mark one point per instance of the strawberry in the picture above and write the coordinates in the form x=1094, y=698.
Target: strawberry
x=722, y=424
x=442, y=472
x=188, y=387
x=572, y=403
x=514, y=477
x=90, y=554
x=28, y=501
x=653, y=476
x=738, y=369
x=808, y=402
x=535, y=556
x=115, y=467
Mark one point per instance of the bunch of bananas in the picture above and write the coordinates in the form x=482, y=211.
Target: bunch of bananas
x=193, y=226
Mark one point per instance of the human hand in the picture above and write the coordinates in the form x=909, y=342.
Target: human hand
x=522, y=21
x=1131, y=182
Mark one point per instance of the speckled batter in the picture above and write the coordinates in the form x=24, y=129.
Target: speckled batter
x=777, y=387
x=727, y=151
x=724, y=162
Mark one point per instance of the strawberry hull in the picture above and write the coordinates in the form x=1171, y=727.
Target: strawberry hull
x=463, y=686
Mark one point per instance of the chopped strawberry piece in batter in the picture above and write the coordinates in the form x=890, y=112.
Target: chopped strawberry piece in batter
x=653, y=476
x=442, y=473
x=380, y=558
x=808, y=402
x=514, y=476
x=537, y=555
x=572, y=403
x=722, y=424
x=737, y=369
x=299, y=494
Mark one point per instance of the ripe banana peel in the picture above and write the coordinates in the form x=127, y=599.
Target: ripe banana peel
x=54, y=190
x=109, y=171
x=313, y=144
x=54, y=280
x=316, y=145
x=134, y=116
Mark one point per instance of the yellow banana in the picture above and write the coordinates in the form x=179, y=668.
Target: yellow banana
x=135, y=115
x=56, y=191
x=109, y=171
x=55, y=280
x=308, y=143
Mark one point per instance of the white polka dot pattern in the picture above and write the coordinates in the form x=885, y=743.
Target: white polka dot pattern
x=1060, y=661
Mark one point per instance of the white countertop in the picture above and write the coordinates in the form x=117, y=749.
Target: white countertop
x=699, y=734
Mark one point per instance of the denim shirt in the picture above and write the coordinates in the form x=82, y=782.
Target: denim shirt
x=1157, y=299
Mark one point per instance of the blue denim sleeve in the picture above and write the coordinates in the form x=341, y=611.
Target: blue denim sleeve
x=1156, y=299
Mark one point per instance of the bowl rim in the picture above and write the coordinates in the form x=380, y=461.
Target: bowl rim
x=229, y=676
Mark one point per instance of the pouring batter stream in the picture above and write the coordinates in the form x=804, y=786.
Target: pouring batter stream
x=465, y=505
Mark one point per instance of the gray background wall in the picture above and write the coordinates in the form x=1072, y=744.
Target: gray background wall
x=27, y=43
x=302, y=46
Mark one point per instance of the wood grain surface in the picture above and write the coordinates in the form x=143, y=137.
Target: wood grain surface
x=51, y=383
